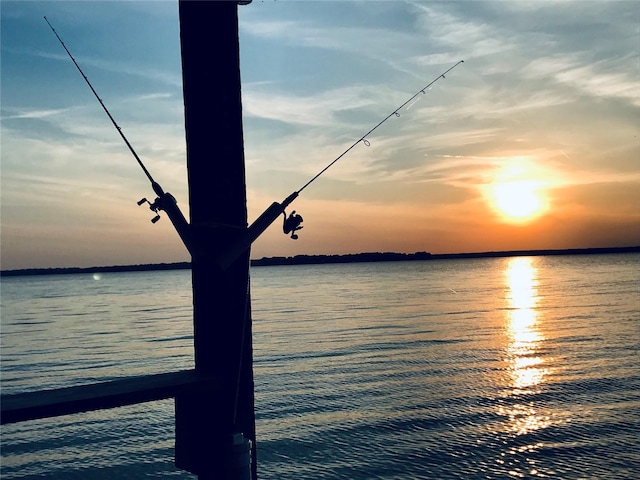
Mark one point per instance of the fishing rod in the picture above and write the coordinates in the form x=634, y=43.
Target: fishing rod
x=292, y=223
x=164, y=201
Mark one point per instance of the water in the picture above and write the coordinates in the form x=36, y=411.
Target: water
x=523, y=367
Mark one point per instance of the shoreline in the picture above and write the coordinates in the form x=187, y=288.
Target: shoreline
x=325, y=259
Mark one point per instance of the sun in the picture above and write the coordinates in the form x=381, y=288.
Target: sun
x=518, y=201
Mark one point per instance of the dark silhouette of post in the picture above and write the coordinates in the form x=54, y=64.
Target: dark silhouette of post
x=206, y=421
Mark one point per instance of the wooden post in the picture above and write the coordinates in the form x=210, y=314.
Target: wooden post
x=217, y=197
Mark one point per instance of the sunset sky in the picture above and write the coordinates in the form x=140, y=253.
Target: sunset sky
x=532, y=143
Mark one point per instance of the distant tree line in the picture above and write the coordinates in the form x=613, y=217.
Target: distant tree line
x=89, y=270
x=322, y=259
x=398, y=257
x=348, y=258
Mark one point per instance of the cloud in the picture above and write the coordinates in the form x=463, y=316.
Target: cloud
x=597, y=79
x=319, y=109
x=12, y=113
x=393, y=49
x=450, y=31
x=592, y=81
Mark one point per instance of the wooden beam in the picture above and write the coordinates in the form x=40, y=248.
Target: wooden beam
x=21, y=407
x=205, y=424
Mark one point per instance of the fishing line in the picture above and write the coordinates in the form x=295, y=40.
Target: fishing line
x=413, y=103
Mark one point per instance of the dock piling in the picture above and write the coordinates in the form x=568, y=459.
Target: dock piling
x=206, y=423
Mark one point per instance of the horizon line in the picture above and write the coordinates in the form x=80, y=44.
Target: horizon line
x=308, y=259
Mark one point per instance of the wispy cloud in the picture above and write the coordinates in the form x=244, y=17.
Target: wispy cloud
x=318, y=109
x=12, y=113
x=601, y=79
x=396, y=49
x=591, y=80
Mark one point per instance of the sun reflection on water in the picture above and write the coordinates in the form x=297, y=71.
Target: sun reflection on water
x=526, y=368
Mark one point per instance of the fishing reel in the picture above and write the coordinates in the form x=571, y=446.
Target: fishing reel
x=168, y=204
x=154, y=207
x=291, y=224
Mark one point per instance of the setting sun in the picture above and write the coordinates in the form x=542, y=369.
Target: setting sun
x=517, y=201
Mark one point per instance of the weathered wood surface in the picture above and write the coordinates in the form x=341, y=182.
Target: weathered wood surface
x=116, y=393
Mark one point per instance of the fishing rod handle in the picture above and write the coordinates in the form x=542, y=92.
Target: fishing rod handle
x=167, y=203
x=251, y=234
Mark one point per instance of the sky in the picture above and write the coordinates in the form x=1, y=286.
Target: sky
x=531, y=143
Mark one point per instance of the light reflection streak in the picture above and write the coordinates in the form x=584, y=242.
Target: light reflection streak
x=525, y=367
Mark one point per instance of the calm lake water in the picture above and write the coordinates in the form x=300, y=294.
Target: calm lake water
x=524, y=367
